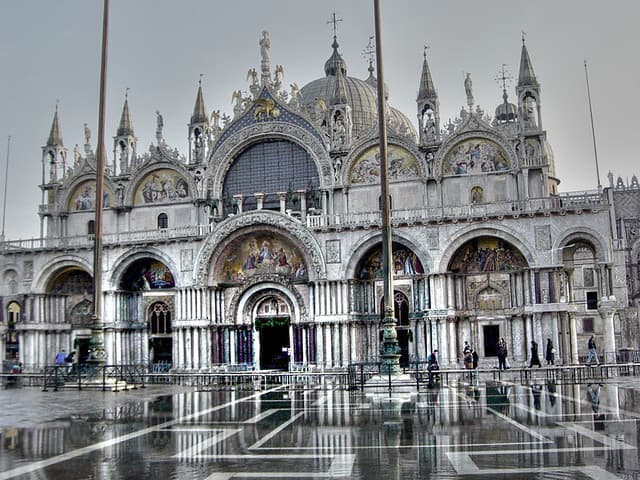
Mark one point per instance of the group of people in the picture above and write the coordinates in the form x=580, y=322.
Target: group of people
x=64, y=359
x=470, y=356
x=549, y=355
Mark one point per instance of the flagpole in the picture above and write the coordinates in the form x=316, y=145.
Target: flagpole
x=593, y=130
x=6, y=179
x=97, y=355
x=389, y=348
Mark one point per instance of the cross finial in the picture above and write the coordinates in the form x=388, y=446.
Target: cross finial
x=370, y=50
x=200, y=80
x=126, y=93
x=503, y=76
x=335, y=21
x=524, y=34
x=426, y=47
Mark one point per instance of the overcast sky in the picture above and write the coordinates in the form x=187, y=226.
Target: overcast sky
x=158, y=48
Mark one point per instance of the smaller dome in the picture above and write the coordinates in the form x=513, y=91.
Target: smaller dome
x=335, y=61
x=506, y=112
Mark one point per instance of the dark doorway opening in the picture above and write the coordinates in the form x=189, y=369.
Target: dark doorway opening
x=403, y=343
x=162, y=350
x=82, y=349
x=274, y=347
x=491, y=337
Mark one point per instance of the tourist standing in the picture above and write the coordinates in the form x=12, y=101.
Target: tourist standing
x=592, y=354
x=550, y=353
x=535, y=360
x=502, y=354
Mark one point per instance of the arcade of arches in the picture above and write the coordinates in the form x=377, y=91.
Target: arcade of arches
x=279, y=317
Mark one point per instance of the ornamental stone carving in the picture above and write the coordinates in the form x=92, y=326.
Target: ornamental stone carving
x=267, y=279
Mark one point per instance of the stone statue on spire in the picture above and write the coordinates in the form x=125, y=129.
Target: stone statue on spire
x=159, y=126
x=468, y=88
x=265, y=45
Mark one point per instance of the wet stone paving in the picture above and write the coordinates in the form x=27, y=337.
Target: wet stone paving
x=487, y=431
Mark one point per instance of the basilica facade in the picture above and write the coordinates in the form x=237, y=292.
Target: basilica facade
x=261, y=245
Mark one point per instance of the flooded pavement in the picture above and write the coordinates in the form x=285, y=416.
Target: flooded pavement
x=488, y=431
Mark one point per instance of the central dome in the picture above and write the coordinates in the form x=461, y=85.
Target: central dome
x=362, y=97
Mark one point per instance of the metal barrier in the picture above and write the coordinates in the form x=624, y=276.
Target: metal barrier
x=360, y=373
x=86, y=376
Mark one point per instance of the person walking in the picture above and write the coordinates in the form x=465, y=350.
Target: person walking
x=550, y=353
x=592, y=354
x=60, y=357
x=535, y=360
x=502, y=354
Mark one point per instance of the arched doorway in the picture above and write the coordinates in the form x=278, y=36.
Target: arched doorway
x=146, y=292
x=160, y=337
x=272, y=320
x=12, y=345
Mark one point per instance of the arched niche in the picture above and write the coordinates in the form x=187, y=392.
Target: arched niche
x=405, y=263
x=475, y=155
x=402, y=165
x=146, y=274
x=486, y=254
x=255, y=254
x=83, y=197
x=163, y=185
x=70, y=281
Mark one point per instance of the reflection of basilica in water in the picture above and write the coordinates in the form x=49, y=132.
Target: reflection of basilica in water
x=261, y=245
x=578, y=431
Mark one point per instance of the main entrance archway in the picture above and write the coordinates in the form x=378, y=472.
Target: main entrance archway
x=272, y=320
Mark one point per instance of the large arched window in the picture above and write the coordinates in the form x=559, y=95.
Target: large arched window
x=269, y=167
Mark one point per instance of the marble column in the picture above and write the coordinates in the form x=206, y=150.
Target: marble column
x=607, y=310
x=574, y=337
x=259, y=200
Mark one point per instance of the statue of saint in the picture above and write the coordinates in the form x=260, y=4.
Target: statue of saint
x=265, y=45
x=468, y=88
x=159, y=125
x=87, y=134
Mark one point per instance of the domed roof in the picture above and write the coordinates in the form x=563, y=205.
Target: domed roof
x=506, y=112
x=361, y=97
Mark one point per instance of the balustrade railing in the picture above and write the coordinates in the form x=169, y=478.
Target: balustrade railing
x=558, y=204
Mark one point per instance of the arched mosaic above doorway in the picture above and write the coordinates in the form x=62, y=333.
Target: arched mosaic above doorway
x=405, y=262
x=147, y=274
x=487, y=254
x=260, y=254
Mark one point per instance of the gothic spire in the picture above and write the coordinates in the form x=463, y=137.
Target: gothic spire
x=55, y=137
x=199, y=111
x=426, y=90
x=527, y=75
x=125, y=128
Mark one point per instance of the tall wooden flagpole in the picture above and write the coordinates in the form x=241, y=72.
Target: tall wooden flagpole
x=6, y=183
x=389, y=348
x=98, y=355
x=593, y=129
